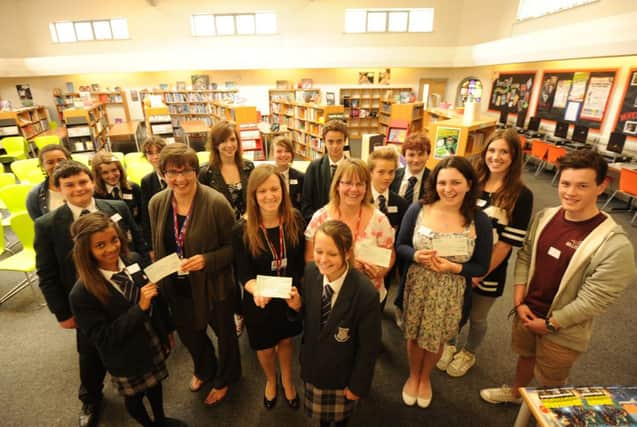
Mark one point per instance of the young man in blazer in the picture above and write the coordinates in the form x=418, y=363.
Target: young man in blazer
x=56, y=271
x=318, y=176
x=409, y=182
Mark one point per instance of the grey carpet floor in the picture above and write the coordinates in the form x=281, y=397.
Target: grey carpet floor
x=39, y=373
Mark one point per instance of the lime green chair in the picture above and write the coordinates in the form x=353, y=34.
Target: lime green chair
x=134, y=157
x=53, y=125
x=14, y=197
x=28, y=171
x=136, y=171
x=120, y=156
x=6, y=178
x=16, y=148
x=203, y=156
x=23, y=261
x=84, y=158
x=41, y=141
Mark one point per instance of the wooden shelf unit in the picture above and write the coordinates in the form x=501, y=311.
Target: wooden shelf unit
x=412, y=113
x=305, y=122
x=362, y=105
x=301, y=96
x=87, y=128
x=159, y=123
x=28, y=122
x=246, y=119
x=112, y=99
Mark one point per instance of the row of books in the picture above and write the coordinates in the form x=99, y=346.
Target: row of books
x=190, y=108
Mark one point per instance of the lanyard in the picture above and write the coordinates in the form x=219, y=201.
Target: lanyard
x=180, y=234
x=279, y=255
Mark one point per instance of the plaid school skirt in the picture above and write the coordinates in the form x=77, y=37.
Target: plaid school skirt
x=130, y=386
x=327, y=404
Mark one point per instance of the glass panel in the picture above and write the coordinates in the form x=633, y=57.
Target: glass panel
x=120, y=28
x=102, y=30
x=66, y=32
x=355, y=21
x=84, y=30
x=203, y=25
x=54, y=34
x=266, y=23
x=225, y=24
x=376, y=22
x=421, y=20
x=245, y=24
x=398, y=21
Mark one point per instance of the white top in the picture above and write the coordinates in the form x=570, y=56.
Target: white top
x=77, y=211
x=56, y=199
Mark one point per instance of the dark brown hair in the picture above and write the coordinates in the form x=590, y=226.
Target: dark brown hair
x=286, y=142
x=105, y=158
x=52, y=147
x=219, y=133
x=178, y=155
x=68, y=169
x=417, y=141
x=342, y=236
x=335, y=126
x=85, y=264
x=291, y=227
x=462, y=165
x=153, y=142
x=507, y=195
x=585, y=159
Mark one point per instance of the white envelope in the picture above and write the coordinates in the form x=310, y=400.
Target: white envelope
x=273, y=286
x=374, y=255
x=164, y=267
x=450, y=246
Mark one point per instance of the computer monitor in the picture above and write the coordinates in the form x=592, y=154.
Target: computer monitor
x=616, y=142
x=580, y=133
x=534, y=124
x=561, y=130
x=504, y=116
x=519, y=121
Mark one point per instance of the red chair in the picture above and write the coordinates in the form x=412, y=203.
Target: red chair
x=627, y=186
x=539, y=150
x=552, y=158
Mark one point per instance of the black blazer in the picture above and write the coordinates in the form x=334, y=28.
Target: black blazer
x=400, y=174
x=132, y=198
x=53, y=247
x=212, y=177
x=117, y=329
x=150, y=186
x=396, y=207
x=343, y=353
x=316, y=187
x=296, y=187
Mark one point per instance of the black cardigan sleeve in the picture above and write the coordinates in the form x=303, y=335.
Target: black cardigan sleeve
x=478, y=265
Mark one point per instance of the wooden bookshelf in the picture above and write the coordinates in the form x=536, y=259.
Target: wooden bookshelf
x=87, y=128
x=412, y=113
x=301, y=96
x=362, y=105
x=159, y=123
x=305, y=122
x=28, y=122
x=111, y=99
x=246, y=119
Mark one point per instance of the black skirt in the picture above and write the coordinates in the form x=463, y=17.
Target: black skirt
x=267, y=326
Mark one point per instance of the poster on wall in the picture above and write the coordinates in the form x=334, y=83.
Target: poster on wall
x=446, y=142
x=511, y=92
x=561, y=93
x=578, y=89
x=627, y=119
x=24, y=92
x=596, y=97
x=547, y=94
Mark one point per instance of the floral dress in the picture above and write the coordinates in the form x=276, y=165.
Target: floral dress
x=433, y=301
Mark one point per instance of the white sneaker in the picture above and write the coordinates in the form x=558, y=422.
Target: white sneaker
x=447, y=357
x=497, y=395
x=461, y=363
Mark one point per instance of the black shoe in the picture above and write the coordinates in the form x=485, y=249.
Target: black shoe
x=89, y=414
x=269, y=404
x=294, y=402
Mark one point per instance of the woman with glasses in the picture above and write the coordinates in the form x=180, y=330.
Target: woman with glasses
x=196, y=223
x=152, y=183
x=350, y=202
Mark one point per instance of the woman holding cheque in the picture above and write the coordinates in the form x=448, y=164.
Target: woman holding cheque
x=446, y=241
x=269, y=242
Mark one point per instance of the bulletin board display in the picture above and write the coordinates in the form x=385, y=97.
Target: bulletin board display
x=579, y=97
x=512, y=92
x=627, y=119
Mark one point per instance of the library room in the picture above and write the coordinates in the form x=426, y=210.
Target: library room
x=372, y=183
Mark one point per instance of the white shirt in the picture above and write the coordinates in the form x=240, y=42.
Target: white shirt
x=77, y=211
x=109, y=189
x=375, y=195
x=108, y=274
x=336, y=285
x=56, y=199
x=405, y=182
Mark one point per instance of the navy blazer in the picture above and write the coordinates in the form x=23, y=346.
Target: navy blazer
x=343, y=353
x=150, y=186
x=53, y=249
x=316, y=187
x=296, y=187
x=399, y=205
x=400, y=174
x=117, y=329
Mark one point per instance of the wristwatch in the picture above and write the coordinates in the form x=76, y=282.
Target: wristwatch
x=550, y=326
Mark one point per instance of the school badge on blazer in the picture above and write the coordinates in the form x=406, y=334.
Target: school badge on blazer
x=342, y=335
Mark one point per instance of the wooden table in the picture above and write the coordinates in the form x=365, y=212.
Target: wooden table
x=191, y=127
x=125, y=131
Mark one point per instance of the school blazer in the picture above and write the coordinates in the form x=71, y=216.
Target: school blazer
x=133, y=200
x=117, y=328
x=296, y=190
x=53, y=251
x=316, y=187
x=401, y=205
x=150, y=186
x=343, y=353
x=400, y=174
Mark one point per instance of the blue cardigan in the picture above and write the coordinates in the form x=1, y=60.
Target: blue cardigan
x=478, y=265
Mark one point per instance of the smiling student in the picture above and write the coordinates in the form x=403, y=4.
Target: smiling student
x=283, y=155
x=409, y=182
x=45, y=196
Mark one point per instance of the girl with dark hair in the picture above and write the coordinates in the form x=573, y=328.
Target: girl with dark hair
x=509, y=203
x=269, y=241
x=445, y=241
x=46, y=197
x=127, y=320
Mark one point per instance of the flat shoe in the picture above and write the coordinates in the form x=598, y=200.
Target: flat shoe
x=195, y=384
x=217, y=396
x=408, y=399
x=423, y=402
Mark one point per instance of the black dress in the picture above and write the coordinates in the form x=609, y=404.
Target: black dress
x=267, y=326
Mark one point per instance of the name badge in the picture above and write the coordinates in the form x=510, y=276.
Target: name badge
x=284, y=263
x=392, y=209
x=555, y=253
x=127, y=196
x=481, y=203
x=116, y=217
x=133, y=268
x=294, y=181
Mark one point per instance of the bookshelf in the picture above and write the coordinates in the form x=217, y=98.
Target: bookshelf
x=159, y=123
x=28, y=122
x=187, y=105
x=411, y=113
x=116, y=101
x=362, y=105
x=87, y=128
x=291, y=95
x=246, y=119
x=305, y=122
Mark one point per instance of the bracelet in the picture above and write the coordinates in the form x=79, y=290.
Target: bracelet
x=514, y=310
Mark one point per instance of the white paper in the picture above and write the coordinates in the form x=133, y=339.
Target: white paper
x=571, y=111
x=274, y=286
x=446, y=246
x=373, y=254
x=164, y=267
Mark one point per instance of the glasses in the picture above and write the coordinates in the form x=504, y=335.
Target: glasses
x=170, y=174
x=350, y=184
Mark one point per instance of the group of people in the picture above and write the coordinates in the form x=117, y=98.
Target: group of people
x=343, y=232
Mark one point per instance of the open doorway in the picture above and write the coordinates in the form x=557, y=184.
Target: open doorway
x=432, y=92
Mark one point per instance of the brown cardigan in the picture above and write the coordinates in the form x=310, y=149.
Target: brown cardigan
x=209, y=234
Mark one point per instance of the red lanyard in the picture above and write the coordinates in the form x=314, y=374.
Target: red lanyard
x=180, y=234
x=279, y=255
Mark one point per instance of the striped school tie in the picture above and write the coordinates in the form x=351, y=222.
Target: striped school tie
x=326, y=304
x=409, y=192
x=130, y=291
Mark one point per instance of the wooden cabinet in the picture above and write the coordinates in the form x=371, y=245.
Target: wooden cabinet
x=159, y=123
x=412, y=114
x=28, y=122
x=87, y=128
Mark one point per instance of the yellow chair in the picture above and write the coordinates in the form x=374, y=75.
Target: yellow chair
x=28, y=171
x=14, y=197
x=135, y=157
x=203, y=156
x=53, y=125
x=42, y=141
x=24, y=261
x=84, y=158
x=120, y=156
x=16, y=148
x=136, y=171
x=6, y=178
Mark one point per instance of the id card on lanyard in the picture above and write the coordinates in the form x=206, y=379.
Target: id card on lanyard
x=279, y=261
x=180, y=232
